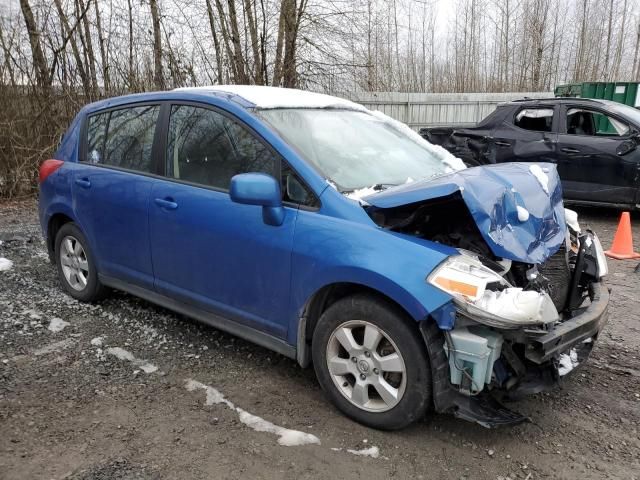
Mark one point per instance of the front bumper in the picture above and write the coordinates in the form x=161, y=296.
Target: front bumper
x=542, y=346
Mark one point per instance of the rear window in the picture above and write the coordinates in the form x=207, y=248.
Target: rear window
x=123, y=138
x=535, y=119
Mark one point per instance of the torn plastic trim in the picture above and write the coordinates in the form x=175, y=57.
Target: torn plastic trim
x=481, y=409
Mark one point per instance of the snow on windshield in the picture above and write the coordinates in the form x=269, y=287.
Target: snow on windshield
x=436, y=150
x=355, y=150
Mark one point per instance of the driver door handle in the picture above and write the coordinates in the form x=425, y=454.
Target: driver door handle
x=570, y=150
x=83, y=182
x=502, y=144
x=167, y=203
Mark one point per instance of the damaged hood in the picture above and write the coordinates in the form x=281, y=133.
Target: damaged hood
x=517, y=206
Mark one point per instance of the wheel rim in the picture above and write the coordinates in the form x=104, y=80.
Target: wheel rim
x=366, y=366
x=74, y=262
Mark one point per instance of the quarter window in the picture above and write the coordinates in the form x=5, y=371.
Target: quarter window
x=536, y=119
x=588, y=122
x=123, y=138
x=208, y=148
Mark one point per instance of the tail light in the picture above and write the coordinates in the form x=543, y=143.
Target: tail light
x=48, y=167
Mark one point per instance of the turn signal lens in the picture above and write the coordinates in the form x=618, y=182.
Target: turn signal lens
x=454, y=286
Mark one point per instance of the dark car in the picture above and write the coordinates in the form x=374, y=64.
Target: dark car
x=592, y=142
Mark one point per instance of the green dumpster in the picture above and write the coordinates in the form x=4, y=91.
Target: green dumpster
x=622, y=92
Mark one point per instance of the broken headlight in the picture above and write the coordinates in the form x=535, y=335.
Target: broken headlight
x=483, y=295
x=601, y=260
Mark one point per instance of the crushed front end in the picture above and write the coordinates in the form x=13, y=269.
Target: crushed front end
x=527, y=289
x=515, y=331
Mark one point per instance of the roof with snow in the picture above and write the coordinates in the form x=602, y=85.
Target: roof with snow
x=276, y=97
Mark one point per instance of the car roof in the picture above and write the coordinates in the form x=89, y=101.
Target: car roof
x=560, y=100
x=264, y=97
x=245, y=96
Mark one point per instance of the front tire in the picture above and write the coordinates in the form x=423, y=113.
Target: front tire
x=76, y=265
x=371, y=362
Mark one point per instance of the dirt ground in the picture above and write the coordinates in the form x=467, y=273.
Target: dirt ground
x=69, y=409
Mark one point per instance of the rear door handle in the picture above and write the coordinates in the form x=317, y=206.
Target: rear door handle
x=167, y=203
x=83, y=182
x=503, y=144
x=569, y=150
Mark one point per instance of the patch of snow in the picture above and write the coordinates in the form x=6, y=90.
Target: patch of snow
x=5, y=264
x=373, y=452
x=571, y=217
x=122, y=354
x=567, y=362
x=361, y=192
x=57, y=325
x=541, y=176
x=446, y=157
x=96, y=342
x=54, y=347
x=264, y=97
x=214, y=396
x=288, y=437
x=523, y=213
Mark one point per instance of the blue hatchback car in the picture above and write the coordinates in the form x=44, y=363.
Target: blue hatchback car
x=335, y=236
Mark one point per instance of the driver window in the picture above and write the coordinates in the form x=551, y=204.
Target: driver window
x=592, y=123
x=208, y=148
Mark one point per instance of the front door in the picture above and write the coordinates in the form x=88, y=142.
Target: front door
x=595, y=162
x=207, y=250
x=111, y=190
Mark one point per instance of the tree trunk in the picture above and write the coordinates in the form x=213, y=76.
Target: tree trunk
x=69, y=33
x=216, y=41
x=103, y=51
x=158, y=76
x=39, y=63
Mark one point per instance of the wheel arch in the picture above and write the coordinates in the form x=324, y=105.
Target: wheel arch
x=55, y=223
x=322, y=299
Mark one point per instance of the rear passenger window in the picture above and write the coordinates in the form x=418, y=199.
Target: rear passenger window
x=535, y=119
x=208, y=148
x=123, y=138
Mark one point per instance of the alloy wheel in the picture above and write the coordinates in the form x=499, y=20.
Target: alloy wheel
x=74, y=262
x=366, y=366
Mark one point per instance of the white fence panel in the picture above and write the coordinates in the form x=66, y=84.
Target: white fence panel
x=434, y=109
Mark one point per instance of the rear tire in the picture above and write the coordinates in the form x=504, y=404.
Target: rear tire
x=76, y=265
x=372, y=363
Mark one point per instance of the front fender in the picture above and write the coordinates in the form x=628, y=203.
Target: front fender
x=329, y=250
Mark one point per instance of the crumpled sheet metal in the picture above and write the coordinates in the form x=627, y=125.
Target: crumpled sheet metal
x=493, y=194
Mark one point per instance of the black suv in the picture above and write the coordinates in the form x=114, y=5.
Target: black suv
x=594, y=143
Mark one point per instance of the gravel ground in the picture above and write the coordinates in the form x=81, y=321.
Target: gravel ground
x=70, y=409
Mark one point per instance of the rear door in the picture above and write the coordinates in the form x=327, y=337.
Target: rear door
x=111, y=189
x=527, y=135
x=595, y=162
x=207, y=250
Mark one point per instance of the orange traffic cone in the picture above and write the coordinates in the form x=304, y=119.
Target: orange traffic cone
x=622, y=247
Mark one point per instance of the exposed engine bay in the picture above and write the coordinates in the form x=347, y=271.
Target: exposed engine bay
x=518, y=327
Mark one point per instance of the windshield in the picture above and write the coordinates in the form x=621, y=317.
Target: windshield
x=356, y=149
